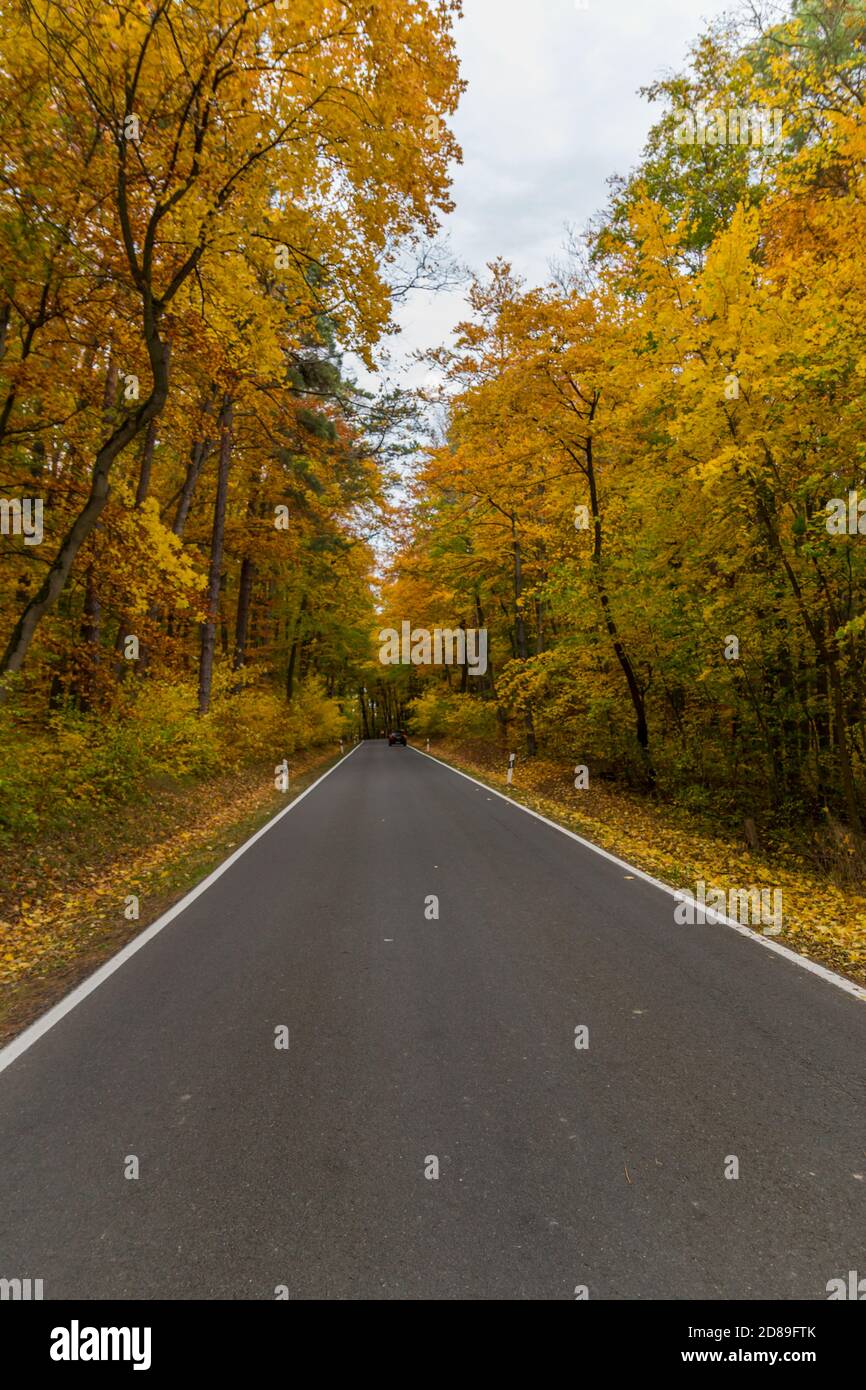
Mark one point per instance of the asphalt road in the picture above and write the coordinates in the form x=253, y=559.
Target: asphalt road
x=454, y=1039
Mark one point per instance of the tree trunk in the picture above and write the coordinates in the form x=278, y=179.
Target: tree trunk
x=146, y=465
x=520, y=635
x=55, y=580
x=634, y=690
x=208, y=627
x=242, y=618
x=90, y=623
x=141, y=494
x=488, y=677
x=826, y=651
x=198, y=455
x=293, y=653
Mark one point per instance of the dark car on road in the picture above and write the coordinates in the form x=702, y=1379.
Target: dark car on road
x=396, y=736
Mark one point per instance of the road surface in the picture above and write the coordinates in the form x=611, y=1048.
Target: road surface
x=411, y=1039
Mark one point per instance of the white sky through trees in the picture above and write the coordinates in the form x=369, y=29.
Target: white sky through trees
x=551, y=111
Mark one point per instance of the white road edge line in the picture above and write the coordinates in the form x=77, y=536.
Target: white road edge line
x=803, y=961
x=25, y=1040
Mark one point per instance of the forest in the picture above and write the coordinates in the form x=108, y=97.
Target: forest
x=432, y=690
x=204, y=210
x=641, y=480
x=646, y=475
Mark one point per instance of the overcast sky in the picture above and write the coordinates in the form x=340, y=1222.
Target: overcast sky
x=550, y=112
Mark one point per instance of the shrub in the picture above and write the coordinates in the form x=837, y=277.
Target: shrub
x=446, y=714
x=84, y=763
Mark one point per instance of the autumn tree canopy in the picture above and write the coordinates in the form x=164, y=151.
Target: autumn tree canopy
x=202, y=208
x=645, y=461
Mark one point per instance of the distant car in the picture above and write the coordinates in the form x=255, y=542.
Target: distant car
x=396, y=736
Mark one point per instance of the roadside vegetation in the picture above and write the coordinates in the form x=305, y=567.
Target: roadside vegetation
x=649, y=489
